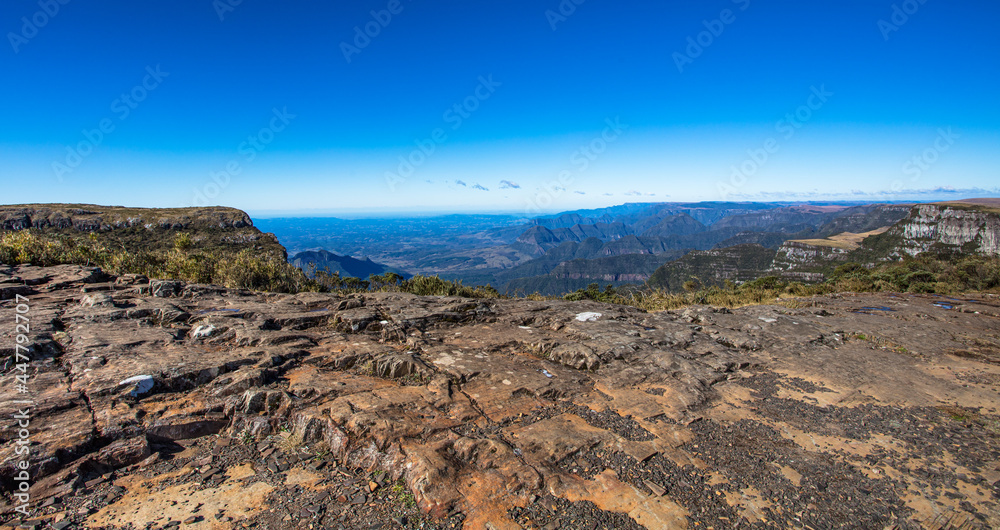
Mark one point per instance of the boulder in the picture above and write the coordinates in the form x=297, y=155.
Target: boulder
x=575, y=355
x=124, y=452
x=165, y=288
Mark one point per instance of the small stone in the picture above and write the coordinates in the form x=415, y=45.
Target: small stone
x=372, y=486
x=138, y=385
x=203, y=331
x=152, y=459
x=657, y=489
x=192, y=519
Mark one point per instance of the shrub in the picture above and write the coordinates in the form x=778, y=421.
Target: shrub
x=183, y=242
x=434, y=285
x=245, y=269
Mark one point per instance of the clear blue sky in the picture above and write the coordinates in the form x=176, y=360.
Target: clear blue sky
x=559, y=105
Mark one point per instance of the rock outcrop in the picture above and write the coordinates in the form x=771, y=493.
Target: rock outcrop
x=739, y=263
x=971, y=227
x=800, y=260
x=93, y=218
x=210, y=227
x=157, y=403
x=959, y=227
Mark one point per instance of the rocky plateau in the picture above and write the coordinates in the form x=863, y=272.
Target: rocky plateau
x=161, y=404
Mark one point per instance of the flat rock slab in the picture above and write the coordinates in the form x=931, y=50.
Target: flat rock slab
x=874, y=410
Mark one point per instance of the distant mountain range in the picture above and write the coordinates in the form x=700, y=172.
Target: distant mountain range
x=952, y=228
x=631, y=246
x=664, y=244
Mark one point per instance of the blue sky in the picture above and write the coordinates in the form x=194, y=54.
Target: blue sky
x=409, y=105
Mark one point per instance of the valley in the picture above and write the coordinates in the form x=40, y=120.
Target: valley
x=620, y=245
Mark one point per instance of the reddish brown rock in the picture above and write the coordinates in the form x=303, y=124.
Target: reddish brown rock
x=823, y=413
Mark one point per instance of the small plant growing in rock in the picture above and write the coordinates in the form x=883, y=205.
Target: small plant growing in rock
x=290, y=442
x=403, y=495
x=367, y=369
x=246, y=438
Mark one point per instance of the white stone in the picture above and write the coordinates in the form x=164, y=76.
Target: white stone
x=143, y=384
x=588, y=316
x=203, y=331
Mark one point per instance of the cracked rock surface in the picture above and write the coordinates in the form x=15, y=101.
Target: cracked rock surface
x=389, y=410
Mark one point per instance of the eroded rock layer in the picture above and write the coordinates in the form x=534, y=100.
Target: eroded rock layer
x=158, y=403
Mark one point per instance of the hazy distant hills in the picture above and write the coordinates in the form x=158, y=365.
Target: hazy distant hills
x=662, y=245
x=865, y=235
x=555, y=253
x=718, y=241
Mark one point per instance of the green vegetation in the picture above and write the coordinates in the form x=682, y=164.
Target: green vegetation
x=238, y=269
x=713, y=267
x=392, y=282
x=243, y=269
x=268, y=271
x=402, y=495
x=148, y=229
x=925, y=274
